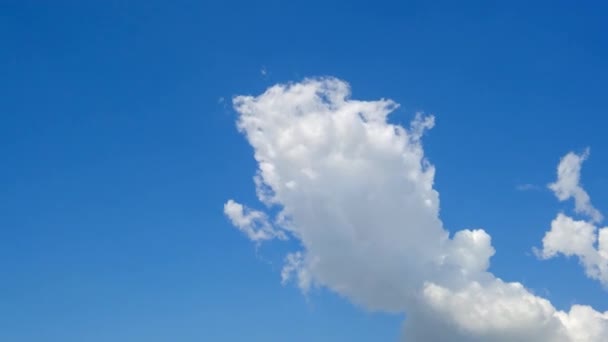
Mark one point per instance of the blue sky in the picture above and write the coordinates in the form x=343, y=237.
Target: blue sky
x=119, y=149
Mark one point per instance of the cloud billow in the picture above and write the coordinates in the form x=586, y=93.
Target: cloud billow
x=357, y=192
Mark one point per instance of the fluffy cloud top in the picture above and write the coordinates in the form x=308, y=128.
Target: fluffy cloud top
x=357, y=192
x=572, y=237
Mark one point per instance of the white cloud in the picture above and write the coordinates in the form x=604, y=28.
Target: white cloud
x=569, y=237
x=357, y=192
x=579, y=238
x=251, y=222
x=568, y=185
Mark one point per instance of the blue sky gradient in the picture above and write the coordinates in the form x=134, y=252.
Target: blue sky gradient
x=118, y=149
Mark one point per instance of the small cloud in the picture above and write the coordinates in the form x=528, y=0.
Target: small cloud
x=263, y=71
x=568, y=185
x=526, y=187
x=221, y=100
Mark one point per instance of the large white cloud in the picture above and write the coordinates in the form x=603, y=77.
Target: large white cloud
x=580, y=238
x=357, y=192
x=253, y=223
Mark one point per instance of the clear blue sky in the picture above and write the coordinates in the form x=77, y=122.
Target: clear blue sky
x=118, y=149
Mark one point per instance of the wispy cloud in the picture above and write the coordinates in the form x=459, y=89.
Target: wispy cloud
x=527, y=187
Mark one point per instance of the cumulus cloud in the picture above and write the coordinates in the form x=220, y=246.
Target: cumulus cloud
x=497, y=311
x=579, y=238
x=487, y=311
x=357, y=192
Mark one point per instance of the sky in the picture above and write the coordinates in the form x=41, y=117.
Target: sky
x=417, y=162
